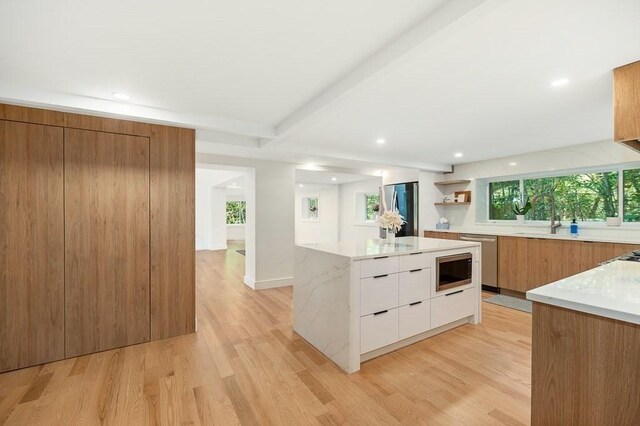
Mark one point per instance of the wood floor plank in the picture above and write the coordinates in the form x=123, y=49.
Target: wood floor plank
x=245, y=365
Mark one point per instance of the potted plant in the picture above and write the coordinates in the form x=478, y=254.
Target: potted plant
x=521, y=208
x=391, y=221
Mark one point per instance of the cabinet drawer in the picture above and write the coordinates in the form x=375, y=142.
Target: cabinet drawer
x=378, y=293
x=414, y=319
x=414, y=286
x=378, y=330
x=452, y=307
x=413, y=261
x=378, y=266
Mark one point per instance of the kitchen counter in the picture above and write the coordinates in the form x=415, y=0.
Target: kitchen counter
x=611, y=291
x=366, y=249
x=623, y=238
x=356, y=300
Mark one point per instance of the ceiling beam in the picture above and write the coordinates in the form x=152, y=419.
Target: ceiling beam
x=451, y=16
x=67, y=102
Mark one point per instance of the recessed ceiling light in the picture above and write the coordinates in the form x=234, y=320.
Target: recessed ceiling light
x=301, y=185
x=559, y=82
x=513, y=163
x=121, y=96
x=334, y=178
x=380, y=141
x=457, y=154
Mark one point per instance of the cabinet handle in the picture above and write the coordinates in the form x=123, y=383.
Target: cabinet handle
x=380, y=276
x=381, y=312
x=411, y=254
x=381, y=257
x=455, y=292
x=415, y=270
x=414, y=303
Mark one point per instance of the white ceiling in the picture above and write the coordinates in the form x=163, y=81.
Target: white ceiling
x=326, y=177
x=320, y=81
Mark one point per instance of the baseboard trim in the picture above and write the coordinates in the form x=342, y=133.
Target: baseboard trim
x=266, y=284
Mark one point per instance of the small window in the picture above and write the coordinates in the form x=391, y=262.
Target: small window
x=236, y=212
x=372, y=202
x=502, y=196
x=631, y=205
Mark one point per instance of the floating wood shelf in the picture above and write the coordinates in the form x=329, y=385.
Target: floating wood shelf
x=451, y=204
x=452, y=182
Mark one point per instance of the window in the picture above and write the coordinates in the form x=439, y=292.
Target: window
x=372, y=202
x=587, y=197
x=502, y=196
x=236, y=212
x=631, y=191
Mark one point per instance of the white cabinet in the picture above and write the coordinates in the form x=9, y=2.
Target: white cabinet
x=379, y=266
x=453, y=306
x=378, y=330
x=414, y=285
x=413, y=261
x=378, y=293
x=414, y=319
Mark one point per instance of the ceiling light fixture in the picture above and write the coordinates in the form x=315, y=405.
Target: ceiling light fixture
x=513, y=163
x=301, y=185
x=457, y=155
x=559, y=82
x=121, y=96
x=334, y=178
x=381, y=141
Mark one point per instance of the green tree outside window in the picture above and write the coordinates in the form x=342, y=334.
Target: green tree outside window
x=236, y=212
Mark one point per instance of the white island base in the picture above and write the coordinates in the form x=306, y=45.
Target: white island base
x=356, y=300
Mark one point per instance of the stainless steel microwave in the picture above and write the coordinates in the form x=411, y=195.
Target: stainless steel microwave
x=453, y=271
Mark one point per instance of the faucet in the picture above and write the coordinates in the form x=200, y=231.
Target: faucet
x=554, y=225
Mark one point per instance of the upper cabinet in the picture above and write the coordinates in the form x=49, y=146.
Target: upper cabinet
x=626, y=105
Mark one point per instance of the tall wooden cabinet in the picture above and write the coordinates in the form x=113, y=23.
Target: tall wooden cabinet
x=106, y=240
x=626, y=105
x=31, y=244
x=97, y=248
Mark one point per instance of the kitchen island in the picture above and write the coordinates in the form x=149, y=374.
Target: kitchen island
x=355, y=300
x=586, y=348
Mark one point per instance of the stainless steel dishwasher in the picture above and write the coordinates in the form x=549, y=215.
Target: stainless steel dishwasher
x=489, y=258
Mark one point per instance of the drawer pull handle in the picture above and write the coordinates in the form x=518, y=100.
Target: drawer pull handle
x=381, y=276
x=381, y=312
x=455, y=292
x=414, y=303
x=381, y=257
x=411, y=254
x=415, y=270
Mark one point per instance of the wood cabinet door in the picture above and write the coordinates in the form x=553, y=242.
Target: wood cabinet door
x=107, y=241
x=31, y=245
x=512, y=263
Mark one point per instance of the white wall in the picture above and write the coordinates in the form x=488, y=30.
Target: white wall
x=211, y=231
x=351, y=227
x=270, y=228
x=326, y=227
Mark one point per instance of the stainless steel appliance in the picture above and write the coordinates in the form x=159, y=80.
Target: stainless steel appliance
x=406, y=204
x=489, y=257
x=453, y=271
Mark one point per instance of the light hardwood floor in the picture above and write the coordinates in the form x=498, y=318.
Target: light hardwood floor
x=245, y=366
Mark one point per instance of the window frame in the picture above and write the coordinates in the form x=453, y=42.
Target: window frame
x=620, y=169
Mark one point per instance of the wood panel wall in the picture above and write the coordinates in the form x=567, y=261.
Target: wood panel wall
x=31, y=244
x=171, y=219
x=106, y=241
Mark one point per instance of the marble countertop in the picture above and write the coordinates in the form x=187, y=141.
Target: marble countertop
x=611, y=290
x=623, y=238
x=371, y=248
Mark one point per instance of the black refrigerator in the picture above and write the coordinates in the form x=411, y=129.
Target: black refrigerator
x=406, y=204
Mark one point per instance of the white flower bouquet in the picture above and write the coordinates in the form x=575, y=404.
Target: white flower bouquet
x=391, y=220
